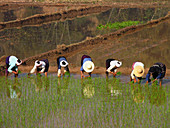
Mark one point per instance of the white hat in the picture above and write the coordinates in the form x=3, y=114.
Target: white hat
x=63, y=63
x=88, y=66
x=37, y=63
x=139, y=71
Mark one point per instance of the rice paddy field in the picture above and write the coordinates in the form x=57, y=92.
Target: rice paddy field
x=97, y=102
x=72, y=102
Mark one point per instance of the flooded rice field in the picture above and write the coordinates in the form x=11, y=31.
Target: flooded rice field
x=97, y=102
x=71, y=102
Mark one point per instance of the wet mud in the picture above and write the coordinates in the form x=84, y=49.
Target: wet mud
x=76, y=10
x=90, y=43
x=58, y=16
x=69, y=50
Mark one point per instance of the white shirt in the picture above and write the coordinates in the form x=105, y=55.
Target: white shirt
x=12, y=63
x=113, y=64
x=41, y=65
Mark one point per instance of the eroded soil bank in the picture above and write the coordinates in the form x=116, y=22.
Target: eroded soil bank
x=116, y=3
x=71, y=50
x=73, y=10
x=58, y=16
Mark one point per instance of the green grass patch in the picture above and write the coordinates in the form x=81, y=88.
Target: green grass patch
x=118, y=25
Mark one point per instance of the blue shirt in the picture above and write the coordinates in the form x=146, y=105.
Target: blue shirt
x=85, y=59
x=148, y=76
x=60, y=59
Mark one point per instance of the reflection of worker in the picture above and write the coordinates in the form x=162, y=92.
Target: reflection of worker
x=41, y=67
x=87, y=65
x=62, y=62
x=157, y=95
x=62, y=86
x=12, y=64
x=87, y=88
x=137, y=72
x=157, y=71
x=38, y=84
x=13, y=92
x=41, y=85
x=111, y=66
x=113, y=87
x=138, y=95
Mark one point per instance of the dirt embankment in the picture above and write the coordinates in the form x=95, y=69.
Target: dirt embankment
x=118, y=3
x=76, y=10
x=86, y=44
x=91, y=42
x=58, y=16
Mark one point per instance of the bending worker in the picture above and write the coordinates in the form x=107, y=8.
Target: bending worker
x=111, y=66
x=137, y=72
x=87, y=65
x=41, y=67
x=12, y=64
x=62, y=62
x=157, y=71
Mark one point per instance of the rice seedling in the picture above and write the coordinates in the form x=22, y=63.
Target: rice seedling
x=69, y=102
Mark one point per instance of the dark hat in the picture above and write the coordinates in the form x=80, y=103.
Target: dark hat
x=64, y=63
x=154, y=69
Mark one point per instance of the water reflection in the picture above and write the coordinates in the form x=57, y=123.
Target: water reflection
x=137, y=93
x=62, y=86
x=49, y=108
x=148, y=45
x=87, y=88
x=157, y=95
x=113, y=87
x=40, y=83
x=13, y=92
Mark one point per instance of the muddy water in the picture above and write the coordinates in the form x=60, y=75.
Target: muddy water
x=40, y=103
x=148, y=45
x=16, y=13
x=124, y=79
x=32, y=40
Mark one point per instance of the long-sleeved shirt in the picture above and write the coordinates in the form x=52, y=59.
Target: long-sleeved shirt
x=40, y=66
x=112, y=65
x=149, y=74
x=59, y=60
x=158, y=74
x=12, y=63
x=83, y=60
